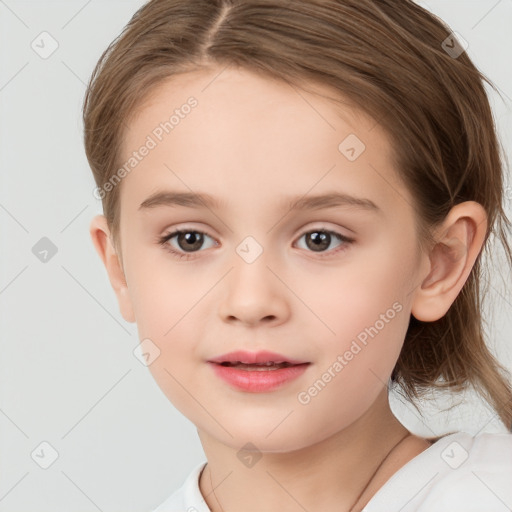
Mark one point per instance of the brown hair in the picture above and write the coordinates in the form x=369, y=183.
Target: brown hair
x=392, y=59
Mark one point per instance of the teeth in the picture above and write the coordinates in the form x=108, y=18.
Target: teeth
x=269, y=365
x=259, y=367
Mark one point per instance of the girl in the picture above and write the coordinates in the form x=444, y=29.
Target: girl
x=334, y=167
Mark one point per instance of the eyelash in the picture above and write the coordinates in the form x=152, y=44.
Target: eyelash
x=180, y=255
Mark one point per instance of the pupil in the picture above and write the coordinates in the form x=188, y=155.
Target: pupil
x=319, y=240
x=193, y=238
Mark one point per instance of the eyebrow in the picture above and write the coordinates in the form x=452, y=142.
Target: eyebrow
x=318, y=202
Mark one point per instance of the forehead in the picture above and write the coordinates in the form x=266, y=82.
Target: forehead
x=235, y=134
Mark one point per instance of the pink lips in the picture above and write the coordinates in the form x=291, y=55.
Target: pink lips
x=257, y=380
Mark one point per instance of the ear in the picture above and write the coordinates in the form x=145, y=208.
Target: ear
x=102, y=241
x=459, y=240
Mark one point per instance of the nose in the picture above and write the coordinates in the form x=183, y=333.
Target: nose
x=254, y=293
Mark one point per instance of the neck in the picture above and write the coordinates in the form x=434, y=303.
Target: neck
x=328, y=475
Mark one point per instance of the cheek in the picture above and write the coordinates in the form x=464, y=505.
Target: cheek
x=366, y=311
x=356, y=361
x=172, y=321
x=169, y=318
x=169, y=301
x=162, y=291
x=369, y=332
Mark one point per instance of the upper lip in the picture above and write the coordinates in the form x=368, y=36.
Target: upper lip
x=262, y=356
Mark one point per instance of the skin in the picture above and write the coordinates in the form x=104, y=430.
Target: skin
x=251, y=142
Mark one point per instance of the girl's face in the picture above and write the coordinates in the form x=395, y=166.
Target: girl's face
x=262, y=277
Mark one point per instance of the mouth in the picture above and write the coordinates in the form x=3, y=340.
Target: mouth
x=260, y=376
x=262, y=360
x=269, y=365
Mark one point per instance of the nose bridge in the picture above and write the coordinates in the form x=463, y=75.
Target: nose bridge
x=254, y=292
x=252, y=275
x=257, y=228
x=251, y=250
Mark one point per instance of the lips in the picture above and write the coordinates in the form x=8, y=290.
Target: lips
x=264, y=358
x=260, y=372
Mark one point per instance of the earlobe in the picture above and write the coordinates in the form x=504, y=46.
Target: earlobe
x=459, y=241
x=101, y=238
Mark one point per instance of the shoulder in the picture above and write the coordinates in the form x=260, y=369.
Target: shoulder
x=188, y=497
x=459, y=472
x=475, y=475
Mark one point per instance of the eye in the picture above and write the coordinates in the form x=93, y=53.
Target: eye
x=188, y=240
x=319, y=239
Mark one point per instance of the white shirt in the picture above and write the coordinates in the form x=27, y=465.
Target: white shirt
x=458, y=473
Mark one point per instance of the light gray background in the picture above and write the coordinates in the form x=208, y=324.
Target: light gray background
x=68, y=374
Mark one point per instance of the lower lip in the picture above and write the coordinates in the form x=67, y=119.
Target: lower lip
x=258, y=381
